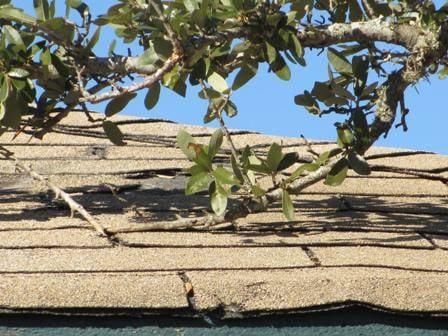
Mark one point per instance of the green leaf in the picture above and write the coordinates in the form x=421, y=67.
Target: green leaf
x=223, y=176
x=215, y=143
x=271, y=53
x=338, y=173
x=197, y=183
x=274, y=157
x=94, y=40
x=257, y=191
x=191, y=5
x=358, y=164
x=18, y=73
x=152, y=96
x=217, y=82
x=307, y=100
x=300, y=170
x=323, y=158
x=287, y=206
x=218, y=199
x=361, y=127
x=288, y=160
x=15, y=107
x=338, y=61
x=4, y=89
x=9, y=12
x=13, y=36
x=184, y=139
x=231, y=109
x=281, y=69
x=236, y=169
x=345, y=136
x=113, y=133
x=45, y=57
x=61, y=27
x=42, y=9
x=296, y=48
x=118, y=104
x=247, y=72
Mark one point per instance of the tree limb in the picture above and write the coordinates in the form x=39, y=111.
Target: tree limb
x=73, y=205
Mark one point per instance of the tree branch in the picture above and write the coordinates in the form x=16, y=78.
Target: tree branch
x=73, y=205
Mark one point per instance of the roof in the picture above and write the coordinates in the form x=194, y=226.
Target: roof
x=380, y=240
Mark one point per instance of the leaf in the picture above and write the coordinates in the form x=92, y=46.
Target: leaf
x=191, y=5
x=231, y=109
x=274, y=157
x=153, y=95
x=9, y=12
x=338, y=61
x=94, y=40
x=323, y=158
x=288, y=160
x=42, y=9
x=236, y=170
x=215, y=143
x=296, y=48
x=338, y=173
x=271, y=53
x=4, y=89
x=307, y=100
x=197, y=183
x=281, y=69
x=345, y=136
x=223, y=176
x=15, y=107
x=358, y=164
x=13, y=36
x=217, y=82
x=287, y=206
x=113, y=133
x=361, y=127
x=300, y=170
x=257, y=191
x=62, y=28
x=184, y=139
x=18, y=73
x=247, y=72
x=118, y=104
x=355, y=11
x=218, y=199
x=45, y=57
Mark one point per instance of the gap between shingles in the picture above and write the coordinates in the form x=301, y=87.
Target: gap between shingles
x=229, y=269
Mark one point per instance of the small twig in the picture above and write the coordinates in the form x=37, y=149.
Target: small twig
x=309, y=148
x=73, y=205
x=404, y=112
x=171, y=34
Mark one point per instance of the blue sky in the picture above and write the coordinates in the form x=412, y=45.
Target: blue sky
x=266, y=104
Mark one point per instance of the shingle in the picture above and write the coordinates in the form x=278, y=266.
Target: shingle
x=72, y=237
x=434, y=260
x=144, y=259
x=246, y=291
x=126, y=290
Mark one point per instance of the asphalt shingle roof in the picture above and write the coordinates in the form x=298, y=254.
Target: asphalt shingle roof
x=378, y=240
